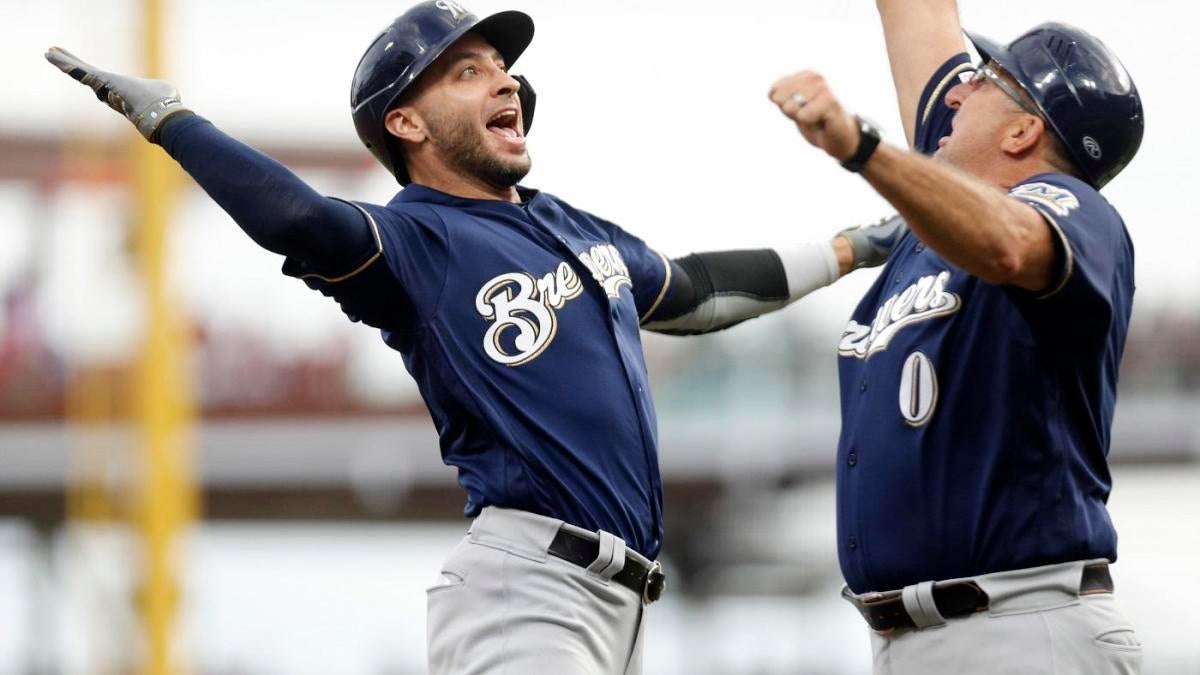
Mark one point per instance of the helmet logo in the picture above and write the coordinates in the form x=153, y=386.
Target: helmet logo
x=456, y=10
x=1091, y=147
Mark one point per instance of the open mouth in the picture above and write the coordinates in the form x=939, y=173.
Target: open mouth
x=504, y=124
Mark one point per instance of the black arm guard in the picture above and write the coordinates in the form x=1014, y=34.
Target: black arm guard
x=713, y=291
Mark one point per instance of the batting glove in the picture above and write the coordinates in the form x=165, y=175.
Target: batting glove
x=873, y=243
x=146, y=103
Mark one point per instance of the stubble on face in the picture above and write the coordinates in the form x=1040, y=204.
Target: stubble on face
x=464, y=147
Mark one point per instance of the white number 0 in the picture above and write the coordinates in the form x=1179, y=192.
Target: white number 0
x=918, y=389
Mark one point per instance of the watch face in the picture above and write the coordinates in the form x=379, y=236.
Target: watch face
x=867, y=143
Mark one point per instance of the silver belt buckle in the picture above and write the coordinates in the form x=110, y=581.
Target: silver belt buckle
x=656, y=581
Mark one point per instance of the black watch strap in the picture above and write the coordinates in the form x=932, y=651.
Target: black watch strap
x=868, y=141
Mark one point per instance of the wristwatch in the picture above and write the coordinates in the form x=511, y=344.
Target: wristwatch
x=868, y=140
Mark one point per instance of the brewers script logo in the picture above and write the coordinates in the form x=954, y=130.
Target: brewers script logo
x=607, y=268
x=926, y=299
x=523, y=309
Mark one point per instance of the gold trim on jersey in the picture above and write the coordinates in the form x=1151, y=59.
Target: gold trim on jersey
x=365, y=265
x=939, y=94
x=662, y=293
x=1066, y=243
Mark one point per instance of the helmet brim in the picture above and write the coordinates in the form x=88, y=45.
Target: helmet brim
x=509, y=32
x=989, y=49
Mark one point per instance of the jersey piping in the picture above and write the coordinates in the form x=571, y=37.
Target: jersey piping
x=662, y=293
x=1070, y=255
x=378, y=252
x=939, y=92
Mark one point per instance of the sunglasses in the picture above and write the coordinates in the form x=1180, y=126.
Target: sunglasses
x=986, y=72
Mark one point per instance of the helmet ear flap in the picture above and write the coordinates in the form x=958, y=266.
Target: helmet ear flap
x=528, y=98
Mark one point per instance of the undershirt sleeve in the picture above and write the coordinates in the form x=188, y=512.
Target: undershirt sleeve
x=277, y=209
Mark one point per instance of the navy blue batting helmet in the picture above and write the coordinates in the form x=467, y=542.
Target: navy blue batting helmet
x=1084, y=92
x=414, y=40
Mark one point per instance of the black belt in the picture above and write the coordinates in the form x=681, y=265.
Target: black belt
x=885, y=611
x=645, y=580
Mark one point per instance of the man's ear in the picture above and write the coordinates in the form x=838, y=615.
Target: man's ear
x=406, y=124
x=1023, y=134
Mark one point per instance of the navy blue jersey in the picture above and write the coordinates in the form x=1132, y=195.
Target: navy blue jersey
x=519, y=323
x=976, y=417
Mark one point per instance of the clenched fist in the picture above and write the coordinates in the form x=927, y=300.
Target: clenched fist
x=806, y=99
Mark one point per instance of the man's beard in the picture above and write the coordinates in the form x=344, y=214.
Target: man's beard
x=465, y=151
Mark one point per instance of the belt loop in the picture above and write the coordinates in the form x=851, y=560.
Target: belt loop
x=918, y=602
x=611, y=558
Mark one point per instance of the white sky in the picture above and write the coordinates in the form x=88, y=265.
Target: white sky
x=652, y=114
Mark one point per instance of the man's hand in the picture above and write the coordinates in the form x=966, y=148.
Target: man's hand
x=805, y=98
x=146, y=103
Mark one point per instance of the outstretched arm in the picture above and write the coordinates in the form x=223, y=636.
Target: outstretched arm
x=275, y=207
x=708, y=292
x=921, y=35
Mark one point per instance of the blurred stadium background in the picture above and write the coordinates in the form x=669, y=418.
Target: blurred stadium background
x=268, y=498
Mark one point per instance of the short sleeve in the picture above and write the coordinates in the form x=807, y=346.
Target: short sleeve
x=649, y=270
x=400, y=285
x=933, y=115
x=1093, y=280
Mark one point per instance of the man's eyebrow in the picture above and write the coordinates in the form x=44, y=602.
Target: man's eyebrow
x=464, y=54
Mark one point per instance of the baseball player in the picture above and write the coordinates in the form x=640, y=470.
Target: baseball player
x=979, y=372
x=517, y=315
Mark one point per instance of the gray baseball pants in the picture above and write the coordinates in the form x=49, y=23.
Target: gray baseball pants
x=506, y=607
x=1037, y=623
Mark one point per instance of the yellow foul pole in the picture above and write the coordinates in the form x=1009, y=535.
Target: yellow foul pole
x=166, y=499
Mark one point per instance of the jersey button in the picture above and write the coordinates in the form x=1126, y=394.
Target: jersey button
x=852, y=459
x=920, y=247
x=863, y=386
x=852, y=542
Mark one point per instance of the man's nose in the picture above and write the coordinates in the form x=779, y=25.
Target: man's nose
x=508, y=85
x=957, y=94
